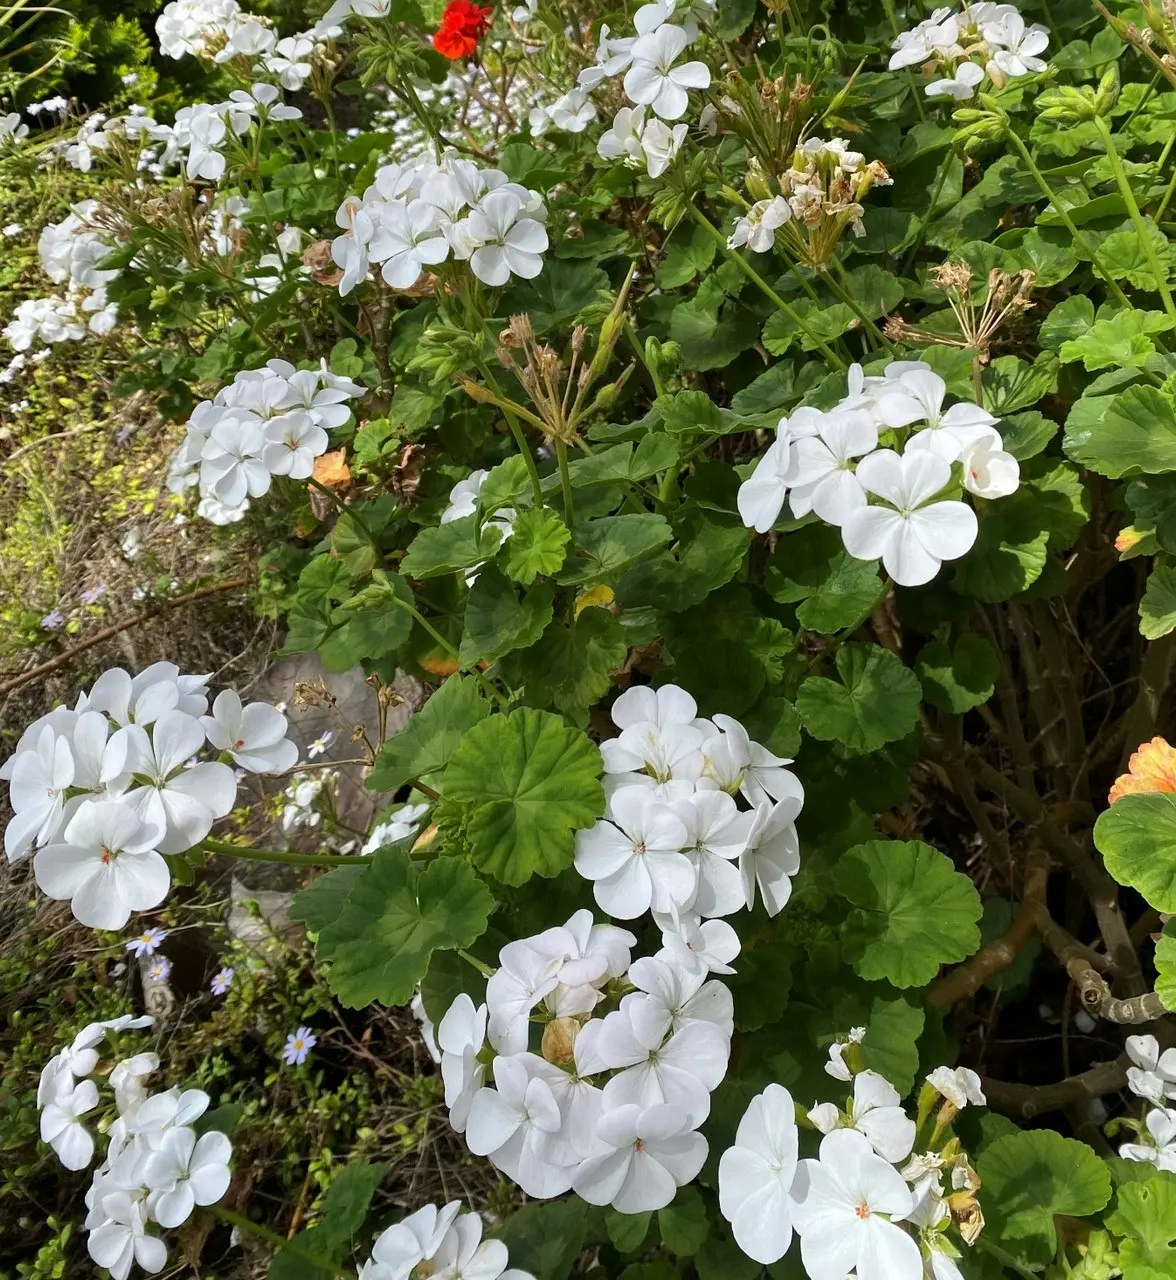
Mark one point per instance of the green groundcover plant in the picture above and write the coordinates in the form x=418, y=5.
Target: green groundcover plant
x=755, y=424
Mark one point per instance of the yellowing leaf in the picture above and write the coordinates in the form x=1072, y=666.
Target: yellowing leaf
x=331, y=470
x=1151, y=768
x=594, y=598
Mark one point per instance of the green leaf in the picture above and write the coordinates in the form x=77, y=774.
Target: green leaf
x=421, y=750
x=627, y=1231
x=770, y=391
x=497, y=621
x=570, y=665
x=687, y=411
x=913, y=911
x=1028, y=1179
x=1157, y=609
x=449, y=548
x=763, y=983
x=537, y=545
x=322, y=581
x=556, y=296
x=1010, y=553
x=522, y=784
x=605, y=547
x=346, y=1203
x=1145, y=1216
x=1026, y=434
x=1165, y=962
x=1067, y=322
x=958, y=679
x=688, y=251
x=1011, y=384
x=546, y=1239
x=683, y=1223
x=368, y=625
x=891, y=1045
x=395, y=916
x=712, y=334
x=876, y=702
x=1137, y=839
x=1124, y=257
x=1122, y=340
x=321, y=902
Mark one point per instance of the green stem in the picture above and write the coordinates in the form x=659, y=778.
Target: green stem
x=1137, y=219
x=928, y=214
x=844, y=294
x=766, y=289
x=484, y=969
x=565, y=479
x=209, y=845
x=1068, y=222
x=1167, y=197
x=517, y=431
x=243, y=1223
x=346, y=510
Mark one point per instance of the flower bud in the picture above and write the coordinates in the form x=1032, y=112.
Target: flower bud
x=559, y=1041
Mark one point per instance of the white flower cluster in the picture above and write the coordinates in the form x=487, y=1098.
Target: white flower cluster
x=12, y=129
x=102, y=790
x=156, y=1169
x=673, y=840
x=444, y=1243
x=829, y=463
x=654, y=78
x=983, y=39
x=612, y=1107
x=206, y=127
x=416, y=214
x=70, y=253
x=196, y=27
x=822, y=189
x=1153, y=1078
x=851, y=1207
x=267, y=422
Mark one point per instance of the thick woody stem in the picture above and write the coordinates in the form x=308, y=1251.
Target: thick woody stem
x=1025, y=1101
x=1097, y=999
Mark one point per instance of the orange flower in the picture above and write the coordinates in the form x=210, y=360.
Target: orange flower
x=463, y=24
x=1151, y=768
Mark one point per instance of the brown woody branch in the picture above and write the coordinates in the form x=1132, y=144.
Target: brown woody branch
x=1025, y=1101
x=115, y=628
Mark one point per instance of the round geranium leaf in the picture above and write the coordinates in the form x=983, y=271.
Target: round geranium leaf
x=1137, y=839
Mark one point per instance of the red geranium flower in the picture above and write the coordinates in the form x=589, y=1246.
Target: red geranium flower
x=463, y=24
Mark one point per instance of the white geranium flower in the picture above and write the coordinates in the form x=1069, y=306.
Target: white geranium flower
x=292, y=442
x=37, y=784
x=516, y=1123
x=525, y=975
x=846, y=1207
x=755, y=1176
x=231, y=466
x=573, y=113
x=669, y=997
x=934, y=37
x=508, y=242
x=916, y=395
x=461, y=1034
x=184, y=1171
x=248, y=39
x=659, y=740
x=822, y=476
x=654, y=81
x=761, y=496
x=651, y=1152
x=660, y=144
x=989, y=472
x=143, y=698
x=915, y=533
x=735, y=763
x=961, y=1086
x=1153, y=1074
x=255, y=736
x=107, y=865
x=122, y=1238
x=837, y=1067
x=1160, y=1123
x=1019, y=46
x=622, y=141
x=413, y=1240
x=183, y=802
x=961, y=86
x=409, y=238
x=874, y=1111
x=716, y=834
x=689, y=942
x=682, y=1070
x=635, y=861
x=772, y=855
x=62, y=1128
x=757, y=228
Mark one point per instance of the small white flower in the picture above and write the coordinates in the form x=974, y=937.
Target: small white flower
x=989, y=472
x=650, y=1153
x=184, y=1171
x=961, y=86
x=757, y=228
x=660, y=145
x=61, y=1125
x=960, y=1086
x=254, y=736
x=755, y=1176
x=654, y=81
x=915, y=533
x=508, y=242
x=874, y=1111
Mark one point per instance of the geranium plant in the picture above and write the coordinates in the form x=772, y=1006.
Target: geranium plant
x=754, y=425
